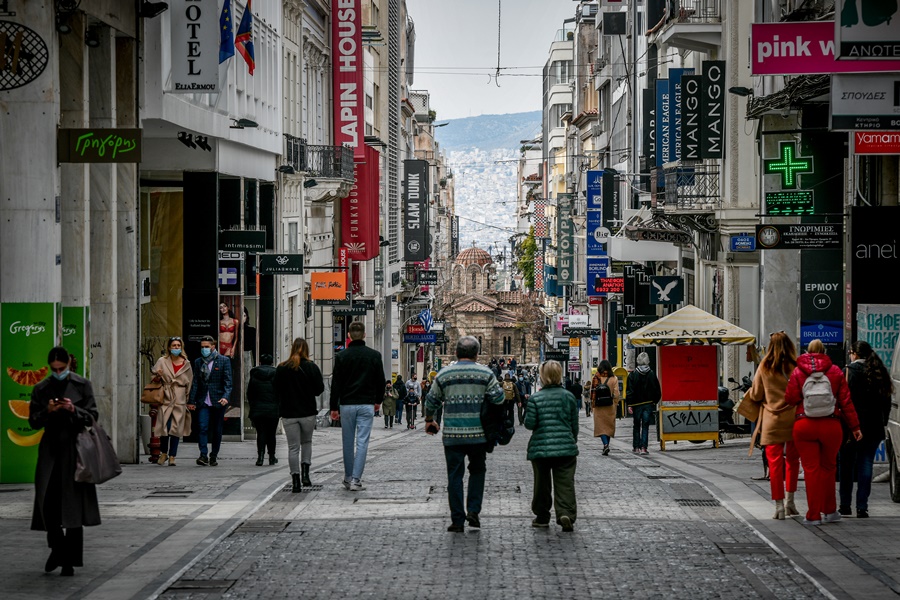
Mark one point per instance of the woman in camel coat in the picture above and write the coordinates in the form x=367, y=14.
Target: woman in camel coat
x=173, y=420
x=774, y=418
x=605, y=416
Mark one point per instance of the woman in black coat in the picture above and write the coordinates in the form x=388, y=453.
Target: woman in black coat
x=263, y=408
x=63, y=404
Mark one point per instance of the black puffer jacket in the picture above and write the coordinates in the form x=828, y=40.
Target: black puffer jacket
x=296, y=390
x=872, y=408
x=261, y=393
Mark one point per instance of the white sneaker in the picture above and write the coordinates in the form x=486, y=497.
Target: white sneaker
x=832, y=517
x=808, y=522
x=346, y=484
x=356, y=486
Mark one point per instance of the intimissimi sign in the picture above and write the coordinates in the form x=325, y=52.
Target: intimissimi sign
x=347, y=75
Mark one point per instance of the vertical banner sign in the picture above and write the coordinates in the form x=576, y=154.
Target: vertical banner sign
x=415, y=215
x=675, y=77
x=75, y=335
x=360, y=211
x=550, y=279
x=347, y=75
x=594, y=189
x=822, y=305
x=691, y=117
x=597, y=234
x=712, y=107
x=195, y=46
x=454, y=236
x=648, y=130
x=27, y=332
x=610, y=198
x=663, y=123
x=597, y=268
x=539, y=266
x=540, y=218
x=565, y=243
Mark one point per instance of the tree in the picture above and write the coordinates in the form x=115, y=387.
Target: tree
x=527, y=251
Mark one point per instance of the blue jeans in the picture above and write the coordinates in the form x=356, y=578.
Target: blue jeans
x=211, y=419
x=857, y=459
x=399, y=415
x=456, y=465
x=641, y=433
x=356, y=427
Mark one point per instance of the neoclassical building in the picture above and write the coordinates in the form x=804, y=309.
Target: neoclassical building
x=473, y=307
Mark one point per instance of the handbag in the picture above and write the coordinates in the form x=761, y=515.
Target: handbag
x=96, y=460
x=153, y=392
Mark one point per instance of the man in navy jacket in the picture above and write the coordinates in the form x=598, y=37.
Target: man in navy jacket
x=210, y=394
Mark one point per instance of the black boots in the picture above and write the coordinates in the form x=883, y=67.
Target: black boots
x=259, y=459
x=272, y=459
x=305, y=469
x=295, y=483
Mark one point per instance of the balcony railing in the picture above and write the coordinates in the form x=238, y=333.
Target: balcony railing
x=696, y=11
x=326, y=162
x=688, y=187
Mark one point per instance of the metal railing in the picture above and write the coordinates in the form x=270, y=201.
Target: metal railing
x=696, y=11
x=327, y=162
x=689, y=187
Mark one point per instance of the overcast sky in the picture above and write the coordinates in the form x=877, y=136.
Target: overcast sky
x=456, y=50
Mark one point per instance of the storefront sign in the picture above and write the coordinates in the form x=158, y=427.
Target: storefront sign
x=550, y=287
x=675, y=87
x=791, y=203
x=415, y=216
x=419, y=338
x=281, y=264
x=360, y=212
x=597, y=269
x=594, y=189
x=668, y=289
x=428, y=277
x=98, y=145
x=803, y=48
x=874, y=253
x=865, y=102
x=345, y=301
x=743, y=243
x=637, y=291
x=341, y=311
x=802, y=236
x=454, y=236
x=75, y=334
x=565, y=243
x=23, y=55
x=633, y=322
x=347, y=75
x=658, y=235
x=242, y=240
x=712, y=107
x=880, y=142
x=648, y=140
x=574, y=366
x=27, y=332
x=195, y=46
x=663, y=123
x=611, y=210
x=688, y=373
x=872, y=35
x=691, y=117
x=581, y=332
x=879, y=325
x=597, y=234
x=556, y=355
x=789, y=164
x=609, y=285
x=415, y=329
x=328, y=285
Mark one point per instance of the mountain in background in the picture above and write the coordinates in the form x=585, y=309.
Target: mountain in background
x=489, y=132
x=483, y=154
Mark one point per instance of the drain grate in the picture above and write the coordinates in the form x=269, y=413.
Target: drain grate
x=391, y=500
x=697, y=502
x=493, y=489
x=203, y=586
x=306, y=488
x=170, y=493
x=744, y=548
x=325, y=472
x=262, y=527
x=665, y=476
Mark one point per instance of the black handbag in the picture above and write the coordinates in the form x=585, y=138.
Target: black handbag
x=96, y=460
x=497, y=422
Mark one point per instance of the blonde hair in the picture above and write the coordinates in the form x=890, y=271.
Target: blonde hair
x=551, y=373
x=816, y=347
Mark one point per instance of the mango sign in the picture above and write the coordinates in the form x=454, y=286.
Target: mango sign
x=329, y=286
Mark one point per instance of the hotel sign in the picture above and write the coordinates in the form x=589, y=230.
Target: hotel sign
x=195, y=46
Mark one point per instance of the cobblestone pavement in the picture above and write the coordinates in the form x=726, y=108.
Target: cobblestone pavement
x=687, y=523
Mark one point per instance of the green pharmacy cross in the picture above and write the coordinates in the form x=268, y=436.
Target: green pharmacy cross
x=788, y=164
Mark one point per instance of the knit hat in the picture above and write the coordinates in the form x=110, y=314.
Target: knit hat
x=643, y=359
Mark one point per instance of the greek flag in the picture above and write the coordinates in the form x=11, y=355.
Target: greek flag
x=426, y=320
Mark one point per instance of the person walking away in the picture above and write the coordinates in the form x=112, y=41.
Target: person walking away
x=510, y=394
x=412, y=404
x=819, y=391
x=210, y=394
x=870, y=391
x=586, y=397
x=462, y=389
x=604, y=395
x=298, y=381
x=62, y=405
x=263, y=408
x=173, y=419
x=413, y=394
x=643, y=393
x=522, y=402
x=400, y=386
x=357, y=389
x=552, y=416
x=389, y=404
x=764, y=403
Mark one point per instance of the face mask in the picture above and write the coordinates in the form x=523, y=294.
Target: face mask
x=175, y=351
x=205, y=352
x=61, y=376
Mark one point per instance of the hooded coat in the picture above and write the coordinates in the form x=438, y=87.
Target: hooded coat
x=810, y=363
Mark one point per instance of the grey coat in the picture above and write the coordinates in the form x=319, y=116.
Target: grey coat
x=54, y=479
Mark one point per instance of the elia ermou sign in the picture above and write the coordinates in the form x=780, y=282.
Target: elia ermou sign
x=195, y=46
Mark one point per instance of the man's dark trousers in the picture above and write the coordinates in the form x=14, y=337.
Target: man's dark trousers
x=456, y=455
x=558, y=474
x=211, y=419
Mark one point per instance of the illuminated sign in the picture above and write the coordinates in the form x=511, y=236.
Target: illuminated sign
x=786, y=204
x=789, y=164
x=609, y=285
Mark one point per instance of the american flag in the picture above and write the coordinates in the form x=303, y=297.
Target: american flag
x=540, y=218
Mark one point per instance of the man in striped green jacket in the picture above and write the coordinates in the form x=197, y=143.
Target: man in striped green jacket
x=461, y=389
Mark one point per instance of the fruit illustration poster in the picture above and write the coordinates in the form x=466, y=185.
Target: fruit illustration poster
x=27, y=332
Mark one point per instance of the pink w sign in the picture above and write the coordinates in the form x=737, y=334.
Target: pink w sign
x=805, y=48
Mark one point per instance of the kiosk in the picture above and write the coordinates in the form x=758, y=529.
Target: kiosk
x=688, y=341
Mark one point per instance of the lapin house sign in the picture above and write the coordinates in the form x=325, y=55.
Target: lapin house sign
x=347, y=74
x=195, y=46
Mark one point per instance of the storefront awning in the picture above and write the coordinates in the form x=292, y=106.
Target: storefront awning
x=690, y=326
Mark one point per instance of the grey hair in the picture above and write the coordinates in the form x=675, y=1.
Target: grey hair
x=467, y=347
x=643, y=359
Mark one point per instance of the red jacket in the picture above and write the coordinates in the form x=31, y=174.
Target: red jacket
x=810, y=363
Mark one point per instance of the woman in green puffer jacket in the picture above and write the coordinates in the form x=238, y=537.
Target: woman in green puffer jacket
x=552, y=416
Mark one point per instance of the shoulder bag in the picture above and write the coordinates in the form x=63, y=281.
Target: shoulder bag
x=96, y=460
x=153, y=392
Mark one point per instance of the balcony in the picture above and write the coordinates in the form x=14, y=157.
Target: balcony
x=692, y=25
x=327, y=170
x=689, y=187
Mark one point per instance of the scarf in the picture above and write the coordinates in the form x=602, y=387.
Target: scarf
x=204, y=368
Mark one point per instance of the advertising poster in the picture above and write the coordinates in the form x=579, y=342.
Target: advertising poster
x=75, y=332
x=688, y=373
x=27, y=332
x=879, y=325
x=329, y=285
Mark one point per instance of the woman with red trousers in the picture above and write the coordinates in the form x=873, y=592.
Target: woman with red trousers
x=818, y=439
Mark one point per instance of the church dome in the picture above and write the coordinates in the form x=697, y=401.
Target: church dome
x=473, y=256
